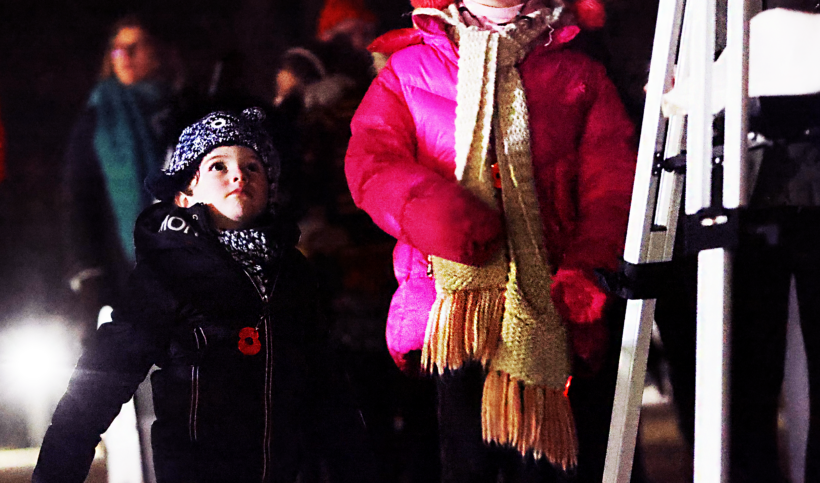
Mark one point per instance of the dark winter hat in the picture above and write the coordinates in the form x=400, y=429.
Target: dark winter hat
x=337, y=11
x=217, y=129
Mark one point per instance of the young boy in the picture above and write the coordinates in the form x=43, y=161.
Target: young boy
x=224, y=305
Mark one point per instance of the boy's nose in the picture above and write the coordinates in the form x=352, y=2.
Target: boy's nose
x=238, y=176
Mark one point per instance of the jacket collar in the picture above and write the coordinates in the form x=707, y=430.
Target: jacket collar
x=431, y=30
x=164, y=226
x=181, y=248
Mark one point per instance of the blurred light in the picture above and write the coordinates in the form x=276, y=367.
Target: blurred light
x=104, y=316
x=37, y=358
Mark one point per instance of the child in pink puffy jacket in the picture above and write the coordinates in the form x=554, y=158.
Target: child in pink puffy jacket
x=502, y=162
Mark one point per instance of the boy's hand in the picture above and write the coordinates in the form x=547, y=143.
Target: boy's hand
x=577, y=296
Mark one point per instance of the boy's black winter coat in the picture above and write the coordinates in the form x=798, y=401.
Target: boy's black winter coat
x=222, y=415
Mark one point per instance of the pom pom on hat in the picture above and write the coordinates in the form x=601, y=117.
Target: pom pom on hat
x=338, y=11
x=430, y=3
x=591, y=13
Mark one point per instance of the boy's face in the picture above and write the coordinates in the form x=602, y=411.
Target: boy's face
x=232, y=182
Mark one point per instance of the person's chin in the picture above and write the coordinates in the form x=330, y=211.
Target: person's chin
x=126, y=80
x=243, y=218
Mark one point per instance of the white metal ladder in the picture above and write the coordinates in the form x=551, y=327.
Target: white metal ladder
x=684, y=45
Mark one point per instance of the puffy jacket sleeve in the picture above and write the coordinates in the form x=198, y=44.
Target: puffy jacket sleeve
x=409, y=200
x=112, y=366
x=606, y=171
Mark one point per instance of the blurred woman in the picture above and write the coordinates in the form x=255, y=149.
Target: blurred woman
x=119, y=138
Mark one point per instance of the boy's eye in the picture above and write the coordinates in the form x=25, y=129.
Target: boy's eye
x=217, y=166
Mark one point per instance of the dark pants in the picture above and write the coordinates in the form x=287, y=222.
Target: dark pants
x=467, y=459
x=761, y=306
x=675, y=317
x=774, y=246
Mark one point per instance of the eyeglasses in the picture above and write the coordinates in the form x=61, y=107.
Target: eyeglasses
x=122, y=50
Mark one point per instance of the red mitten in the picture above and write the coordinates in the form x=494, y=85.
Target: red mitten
x=577, y=296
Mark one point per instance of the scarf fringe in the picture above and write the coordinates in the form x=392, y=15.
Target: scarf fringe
x=463, y=326
x=529, y=418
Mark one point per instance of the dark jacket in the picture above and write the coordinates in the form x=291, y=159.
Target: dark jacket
x=222, y=415
x=89, y=208
x=87, y=219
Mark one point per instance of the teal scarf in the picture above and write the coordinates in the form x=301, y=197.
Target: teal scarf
x=127, y=148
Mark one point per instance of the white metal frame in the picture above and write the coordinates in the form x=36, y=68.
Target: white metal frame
x=653, y=219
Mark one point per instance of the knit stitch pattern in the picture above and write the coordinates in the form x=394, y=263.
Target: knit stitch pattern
x=524, y=403
x=250, y=247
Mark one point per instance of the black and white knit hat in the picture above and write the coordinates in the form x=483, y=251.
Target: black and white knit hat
x=220, y=128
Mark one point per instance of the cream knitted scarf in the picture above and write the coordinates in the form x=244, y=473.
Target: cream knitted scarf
x=501, y=313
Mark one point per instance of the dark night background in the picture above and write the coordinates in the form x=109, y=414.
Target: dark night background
x=50, y=57
x=50, y=54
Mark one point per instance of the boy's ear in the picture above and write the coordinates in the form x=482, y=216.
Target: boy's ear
x=183, y=200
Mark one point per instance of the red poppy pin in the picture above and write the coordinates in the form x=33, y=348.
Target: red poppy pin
x=249, y=341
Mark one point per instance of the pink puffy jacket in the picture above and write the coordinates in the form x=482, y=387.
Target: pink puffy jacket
x=400, y=166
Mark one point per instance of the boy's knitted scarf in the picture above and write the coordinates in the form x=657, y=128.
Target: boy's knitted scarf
x=501, y=313
x=251, y=248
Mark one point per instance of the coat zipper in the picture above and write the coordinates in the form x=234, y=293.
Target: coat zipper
x=192, y=418
x=265, y=322
x=266, y=439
